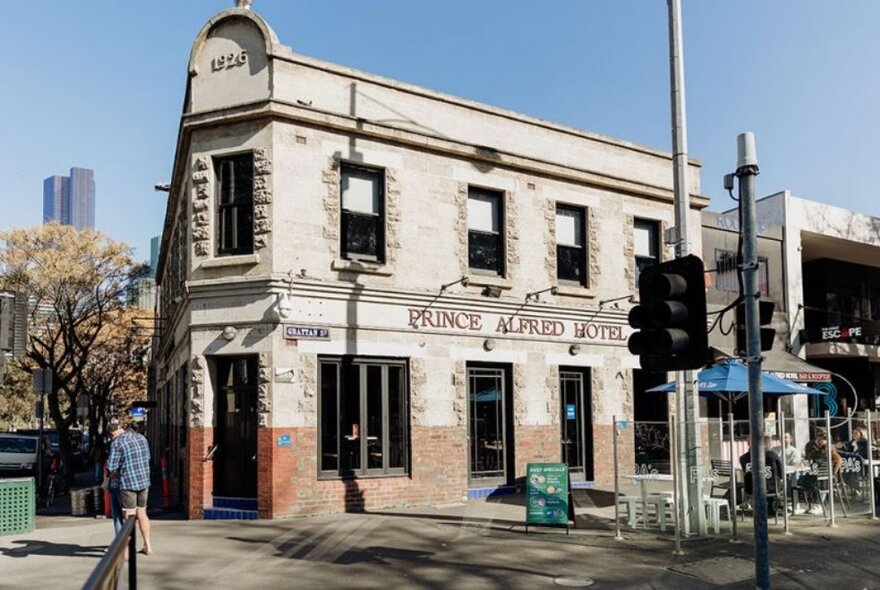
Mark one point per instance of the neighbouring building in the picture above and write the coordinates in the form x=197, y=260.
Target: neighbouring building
x=70, y=200
x=832, y=278
x=373, y=294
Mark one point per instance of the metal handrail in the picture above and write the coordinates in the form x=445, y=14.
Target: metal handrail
x=106, y=574
x=210, y=454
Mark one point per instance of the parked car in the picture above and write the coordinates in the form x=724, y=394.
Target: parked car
x=18, y=453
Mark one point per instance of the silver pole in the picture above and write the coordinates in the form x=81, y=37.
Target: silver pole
x=679, y=505
x=830, y=466
x=747, y=169
x=617, y=534
x=687, y=399
x=781, y=431
x=871, y=466
x=732, y=480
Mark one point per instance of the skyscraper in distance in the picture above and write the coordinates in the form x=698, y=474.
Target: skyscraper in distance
x=70, y=200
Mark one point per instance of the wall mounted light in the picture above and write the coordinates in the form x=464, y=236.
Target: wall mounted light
x=536, y=295
x=574, y=349
x=492, y=291
x=489, y=344
x=229, y=333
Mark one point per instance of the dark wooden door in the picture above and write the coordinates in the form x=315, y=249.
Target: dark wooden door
x=235, y=460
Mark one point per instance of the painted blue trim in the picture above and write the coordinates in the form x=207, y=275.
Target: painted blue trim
x=477, y=493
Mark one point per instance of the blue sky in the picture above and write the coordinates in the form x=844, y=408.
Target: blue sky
x=100, y=84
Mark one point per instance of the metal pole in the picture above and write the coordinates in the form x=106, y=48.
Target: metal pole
x=831, y=473
x=132, y=558
x=732, y=511
x=687, y=399
x=871, y=466
x=747, y=169
x=617, y=534
x=679, y=505
x=781, y=430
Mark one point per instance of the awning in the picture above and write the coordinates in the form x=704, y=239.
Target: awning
x=788, y=366
x=784, y=365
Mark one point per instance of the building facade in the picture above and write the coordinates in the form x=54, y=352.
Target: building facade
x=70, y=200
x=372, y=294
x=832, y=273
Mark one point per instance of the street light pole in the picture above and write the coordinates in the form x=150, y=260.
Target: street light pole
x=746, y=171
x=687, y=400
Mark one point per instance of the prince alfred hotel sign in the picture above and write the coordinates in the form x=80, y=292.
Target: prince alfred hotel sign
x=483, y=323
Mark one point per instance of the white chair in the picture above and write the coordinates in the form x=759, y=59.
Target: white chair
x=660, y=502
x=632, y=503
x=713, y=511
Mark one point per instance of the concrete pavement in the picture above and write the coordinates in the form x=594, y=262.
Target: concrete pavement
x=475, y=545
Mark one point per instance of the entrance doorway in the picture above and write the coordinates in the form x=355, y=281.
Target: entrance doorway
x=490, y=425
x=235, y=435
x=577, y=423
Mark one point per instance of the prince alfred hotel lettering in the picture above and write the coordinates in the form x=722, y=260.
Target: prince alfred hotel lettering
x=418, y=293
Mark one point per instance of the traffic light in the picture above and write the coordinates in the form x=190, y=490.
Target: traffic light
x=671, y=316
x=765, y=318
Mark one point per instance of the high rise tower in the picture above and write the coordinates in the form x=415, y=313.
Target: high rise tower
x=70, y=200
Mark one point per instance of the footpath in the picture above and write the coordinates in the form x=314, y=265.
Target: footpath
x=479, y=545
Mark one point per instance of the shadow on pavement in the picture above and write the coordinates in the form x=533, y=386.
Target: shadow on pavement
x=33, y=547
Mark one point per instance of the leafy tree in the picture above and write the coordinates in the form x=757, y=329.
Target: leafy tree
x=18, y=402
x=117, y=376
x=76, y=281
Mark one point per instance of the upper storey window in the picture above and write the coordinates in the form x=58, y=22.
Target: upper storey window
x=646, y=235
x=235, y=207
x=486, y=231
x=363, y=213
x=571, y=250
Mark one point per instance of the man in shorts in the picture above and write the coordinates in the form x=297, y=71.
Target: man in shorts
x=129, y=462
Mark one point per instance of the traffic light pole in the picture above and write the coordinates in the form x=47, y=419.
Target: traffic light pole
x=687, y=400
x=746, y=170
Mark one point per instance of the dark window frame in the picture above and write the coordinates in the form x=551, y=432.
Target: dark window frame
x=500, y=237
x=343, y=364
x=640, y=259
x=727, y=273
x=583, y=247
x=346, y=217
x=236, y=210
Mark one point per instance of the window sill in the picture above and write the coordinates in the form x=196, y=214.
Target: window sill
x=571, y=290
x=237, y=260
x=361, y=266
x=480, y=280
x=329, y=476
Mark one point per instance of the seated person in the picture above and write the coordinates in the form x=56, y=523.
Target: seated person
x=858, y=444
x=772, y=472
x=788, y=453
x=816, y=453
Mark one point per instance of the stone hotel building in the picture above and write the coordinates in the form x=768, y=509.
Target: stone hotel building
x=373, y=294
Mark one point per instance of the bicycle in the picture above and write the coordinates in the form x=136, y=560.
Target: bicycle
x=53, y=485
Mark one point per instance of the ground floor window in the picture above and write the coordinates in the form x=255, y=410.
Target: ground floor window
x=363, y=422
x=577, y=422
x=490, y=424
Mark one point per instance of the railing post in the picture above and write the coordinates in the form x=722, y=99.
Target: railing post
x=781, y=432
x=617, y=534
x=732, y=512
x=132, y=558
x=871, y=467
x=831, y=473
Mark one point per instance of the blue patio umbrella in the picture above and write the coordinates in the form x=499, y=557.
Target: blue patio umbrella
x=728, y=380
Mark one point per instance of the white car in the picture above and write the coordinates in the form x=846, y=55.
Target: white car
x=18, y=452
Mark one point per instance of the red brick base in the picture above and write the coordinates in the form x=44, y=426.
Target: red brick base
x=536, y=444
x=603, y=453
x=288, y=483
x=199, y=476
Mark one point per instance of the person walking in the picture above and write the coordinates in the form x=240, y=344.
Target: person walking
x=129, y=462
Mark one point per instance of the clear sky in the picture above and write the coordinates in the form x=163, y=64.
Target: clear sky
x=100, y=83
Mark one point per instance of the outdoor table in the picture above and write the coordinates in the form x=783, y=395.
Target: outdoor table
x=643, y=479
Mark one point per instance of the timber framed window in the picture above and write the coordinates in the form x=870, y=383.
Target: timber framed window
x=235, y=204
x=363, y=417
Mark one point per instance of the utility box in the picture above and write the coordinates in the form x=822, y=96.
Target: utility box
x=18, y=505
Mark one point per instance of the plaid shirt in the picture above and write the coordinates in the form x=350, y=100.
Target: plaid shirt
x=130, y=457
